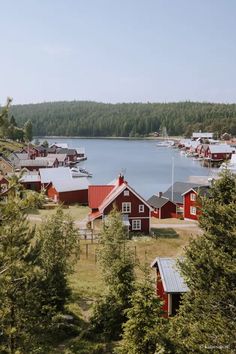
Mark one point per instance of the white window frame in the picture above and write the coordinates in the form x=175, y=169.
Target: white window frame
x=193, y=197
x=126, y=193
x=193, y=210
x=126, y=207
x=141, y=208
x=136, y=225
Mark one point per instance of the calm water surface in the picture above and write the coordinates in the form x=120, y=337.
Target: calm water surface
x=147, y=168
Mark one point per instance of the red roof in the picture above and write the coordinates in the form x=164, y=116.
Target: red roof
x=96, y=195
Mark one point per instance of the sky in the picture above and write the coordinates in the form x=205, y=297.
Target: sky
x=118, y=50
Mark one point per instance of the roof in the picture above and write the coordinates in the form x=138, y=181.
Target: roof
x=202, y=135
x=96, y=194
x=34, y=163
x=52, y=174
x=20, y=155
x=60, y=145
x=67, y=151
x=201, y=190
x=30, y=178
x=39, y=148
x=221, y=148
x=59, y=157
x=69, y=185
x=158, y=202
x=179, y=188
x=116, y=191
x=48, y=160
x=171, y=278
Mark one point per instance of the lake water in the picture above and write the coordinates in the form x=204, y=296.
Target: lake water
x=147, y=168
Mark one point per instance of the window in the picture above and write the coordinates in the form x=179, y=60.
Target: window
x=126, y=193
x=136, y=224
x=141, y=208
x=126, y=207
x=193, y=210
x=192, y=197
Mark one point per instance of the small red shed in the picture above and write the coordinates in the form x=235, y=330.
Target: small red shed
x=170, y=285
x=69, y=191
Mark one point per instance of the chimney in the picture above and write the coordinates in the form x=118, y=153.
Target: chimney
x=120, y=180
x=160, y=194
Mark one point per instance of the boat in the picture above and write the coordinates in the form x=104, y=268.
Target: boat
x=80, y=172
x=165, y=143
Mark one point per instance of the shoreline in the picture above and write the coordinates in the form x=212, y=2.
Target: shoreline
x=107, y=137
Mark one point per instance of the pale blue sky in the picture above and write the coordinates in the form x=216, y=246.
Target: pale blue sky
x=118, y=50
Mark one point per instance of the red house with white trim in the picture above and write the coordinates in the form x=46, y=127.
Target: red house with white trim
x=136, y=211
x=192, y=204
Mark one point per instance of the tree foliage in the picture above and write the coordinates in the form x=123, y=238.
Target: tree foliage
x=141, y=331
x=9, y=128
x=206, y=319
x=117, y=266
x=82, y=118
x=59, y=248
x=33, y=274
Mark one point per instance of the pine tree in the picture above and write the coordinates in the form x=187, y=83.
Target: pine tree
x=28, y=129
x=19, y=277
x=117, y=265
x=59, y=248
x=140, y=332
x=206, y=319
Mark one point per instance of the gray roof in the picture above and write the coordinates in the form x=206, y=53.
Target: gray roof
x=66, y=151
x=53, y=174
x=59, y=157
x=202, y=135
x=221, y=148
x=27, y=178
x=72, y=184
x=19, y=155
x=33, y=163
x=48, y=159
x=179, y=188
x=201, y=190
x=157, y=202
x=171, y=278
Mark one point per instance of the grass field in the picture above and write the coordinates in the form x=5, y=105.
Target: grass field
x=9, y=146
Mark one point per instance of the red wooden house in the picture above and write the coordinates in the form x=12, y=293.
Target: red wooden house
x=62, y=187
x=219, y=152
x=192, y=204
x=163, y=208
x=136, y=211
x=69, y=192
x=170, y=285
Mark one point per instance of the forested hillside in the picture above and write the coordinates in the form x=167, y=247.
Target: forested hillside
x=82, y=118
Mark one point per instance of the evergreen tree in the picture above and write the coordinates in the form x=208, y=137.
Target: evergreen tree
x=20, y=298
x=28, y=128
x=117, y=265
x=59, y=248
x=206, y=319
x=141, y=329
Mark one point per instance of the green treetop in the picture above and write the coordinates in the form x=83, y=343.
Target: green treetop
x=206, y=319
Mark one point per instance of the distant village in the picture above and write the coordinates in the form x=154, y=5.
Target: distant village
x=56, y=171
